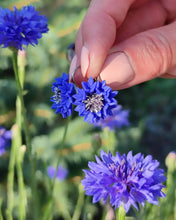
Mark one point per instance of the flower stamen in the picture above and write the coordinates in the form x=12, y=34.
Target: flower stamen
x=94, y=102
x=57, y=96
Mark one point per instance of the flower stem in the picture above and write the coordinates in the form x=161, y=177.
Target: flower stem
x=79, y=204
x=32, y=158
x=20, y=94
x=48, y=210
x=121, y=213
x=1, y=217
x=19, y=154
x=10, y=178
x=60, y=153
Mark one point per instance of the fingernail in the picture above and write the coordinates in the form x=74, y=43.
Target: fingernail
x=84, y=60
x=117, y=69
x=72, y=67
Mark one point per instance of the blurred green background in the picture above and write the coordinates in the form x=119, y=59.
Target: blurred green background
x=152, y=107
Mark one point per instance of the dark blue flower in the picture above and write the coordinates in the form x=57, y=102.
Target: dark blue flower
x=125, y=179
x=95, y=101
x=63, y=95
x=5, y=140
x=21, y=27
x=117, y=120
x=61, y=172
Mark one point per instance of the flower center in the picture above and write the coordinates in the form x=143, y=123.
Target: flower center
x=57, y=96
x=94, y=102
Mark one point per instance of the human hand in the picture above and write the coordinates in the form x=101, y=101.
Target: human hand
x=126, y=42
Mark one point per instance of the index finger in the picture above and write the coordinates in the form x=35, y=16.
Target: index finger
x=97, y=34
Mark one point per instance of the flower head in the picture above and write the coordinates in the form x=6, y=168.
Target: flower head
x=95, y=101
x=61, y=172
x=63, y=95
x=5, y=140
x=118, y=119
x=21, y=27
x=125, y=179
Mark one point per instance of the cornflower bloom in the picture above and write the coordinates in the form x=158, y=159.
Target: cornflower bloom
x=125, y=179
x=118, y=119
x=95, y=100
x=5, y=140
x=21, y=27
x=61, y=172
x=63, y=95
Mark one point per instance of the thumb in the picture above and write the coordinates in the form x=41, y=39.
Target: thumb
x=140, y=58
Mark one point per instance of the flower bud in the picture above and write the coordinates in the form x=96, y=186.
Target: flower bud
x=171, y=161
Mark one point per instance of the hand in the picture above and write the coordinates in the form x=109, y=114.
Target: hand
x=126, y=42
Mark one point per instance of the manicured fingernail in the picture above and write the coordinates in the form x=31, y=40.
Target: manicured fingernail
x=72, y=67
x=117, y=69
x=84, y=60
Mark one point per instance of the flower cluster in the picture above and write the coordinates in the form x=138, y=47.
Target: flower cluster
x=61, y=172
x=21, y=27
x=94, y=101
x=5, y=140
x=125, y=179
x=117, y=120
x=63, y=95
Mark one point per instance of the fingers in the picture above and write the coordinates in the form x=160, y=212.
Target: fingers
x=141, y=58
x=98, y=33
x=133, y=23
x=170, y=7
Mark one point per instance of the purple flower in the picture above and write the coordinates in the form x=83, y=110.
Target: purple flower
x=117, y=120
x=63, y=95
x=61, y=172
x=95, y=101
x=125, y=179
x=5, y=140
x=21, y=27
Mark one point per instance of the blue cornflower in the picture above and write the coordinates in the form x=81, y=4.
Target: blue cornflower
x=5, y=140
x=63, y=95
x=125, y=179
x=95, y=100
x=21, y=27
x=61, y=172
x=117, y=120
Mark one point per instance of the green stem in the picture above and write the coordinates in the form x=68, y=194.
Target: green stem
x=121, y=213
x=10, y=178
x=22, y=208
x=48, y=210
x=79, y=204
x=60, y=153
x=1, y=217
x=19, y=154
x=20, y=94
x=19, y=84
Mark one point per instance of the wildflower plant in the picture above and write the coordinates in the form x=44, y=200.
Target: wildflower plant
x=125, y=179
x=20, y=28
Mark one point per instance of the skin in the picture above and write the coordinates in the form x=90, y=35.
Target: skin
x=126, y=42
